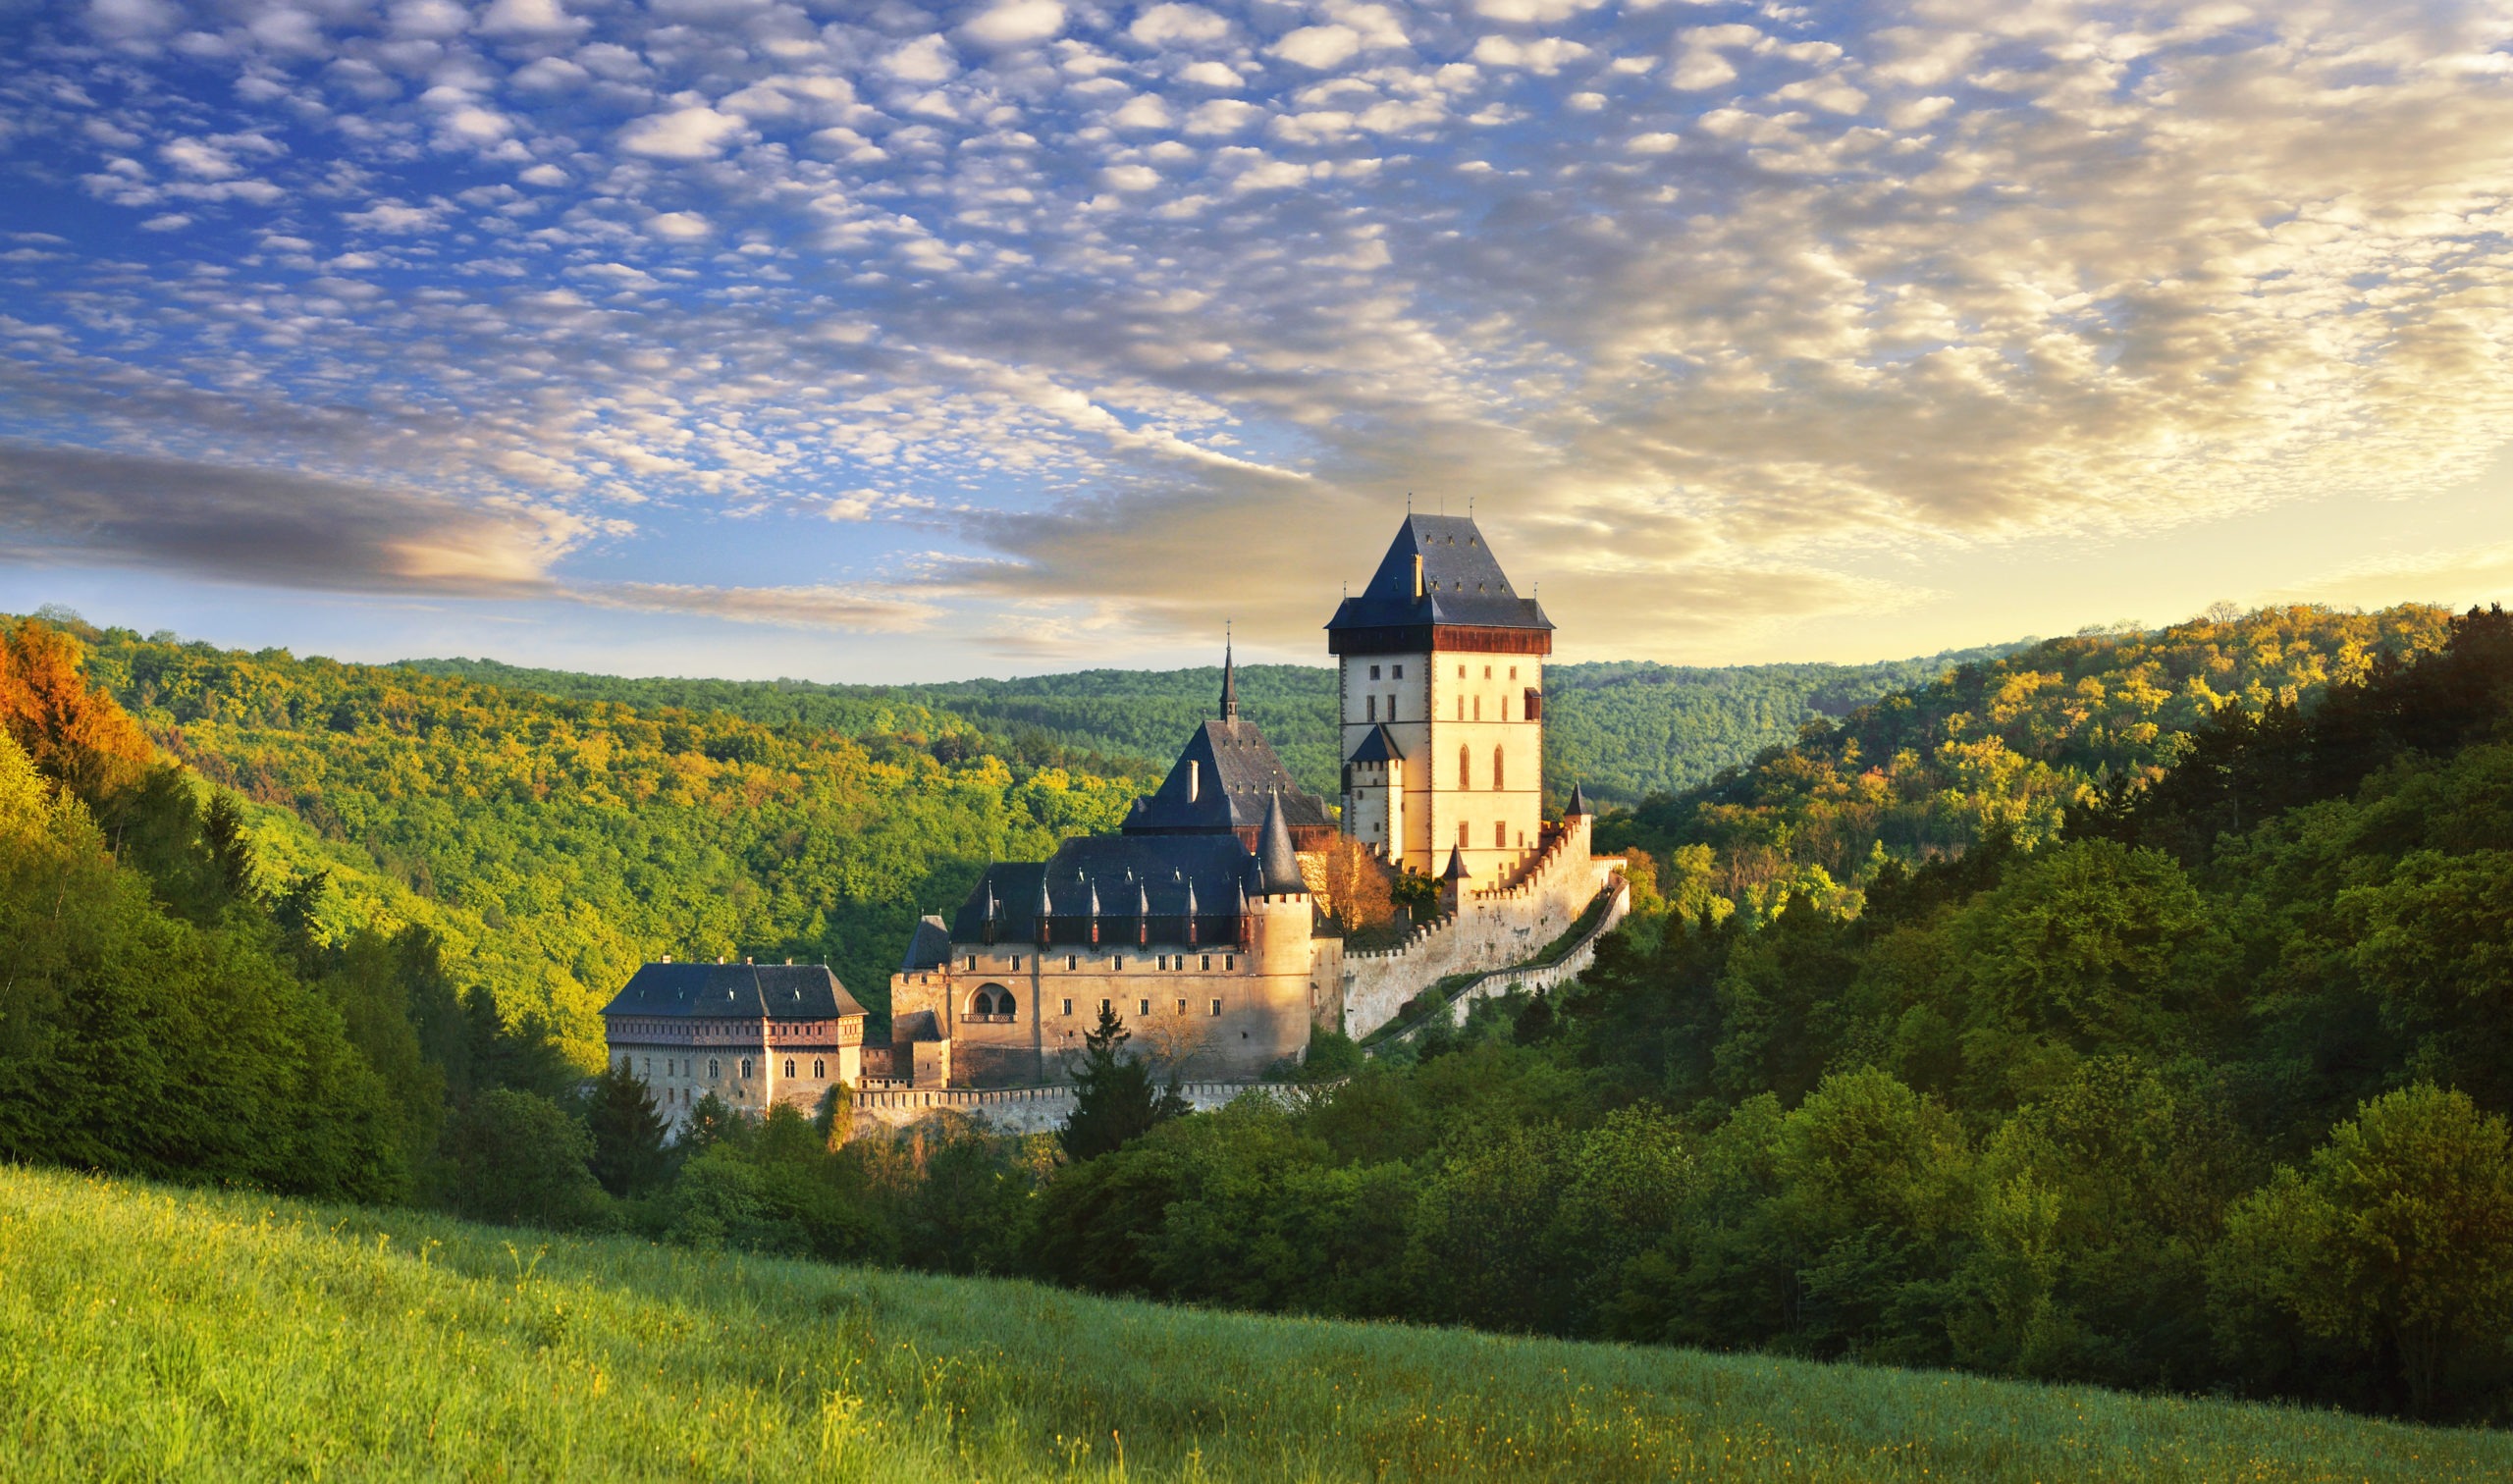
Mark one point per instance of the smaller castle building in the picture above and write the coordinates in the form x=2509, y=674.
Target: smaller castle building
x=753, y=1034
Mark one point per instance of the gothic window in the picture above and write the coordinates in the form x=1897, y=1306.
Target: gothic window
x=745, y=1069
x=1465, y=768
x=789, y=1066
x=712, y=1069
x=993, y=1002
x=1496, y=767
x=820, y=1069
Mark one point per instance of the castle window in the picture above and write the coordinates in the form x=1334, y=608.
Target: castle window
x=789, y=1066
x=1461, y=673
x=820, y=1069
x=1216, y=1007
x=1505, y=707
x=1103, y=1007
x=1496, y=767
x=1397, y=673
x=1068, y=1007
x=712, y=1071
x=1230, y=961
x=650, y=1066
x=1371, y=714
x=1513, y=672
x=1500, y=834
x=973, y=963
x=1117, y=962
x=1478, y=708
x=1462, y=840
x=1460, y=707
x=1373, y=671
x=1487, y=673
x=1208, y=962
x=1016, y=963
x=1072, y=960
x=745, y=1069
x=1465, y=768
x=1143, y=1007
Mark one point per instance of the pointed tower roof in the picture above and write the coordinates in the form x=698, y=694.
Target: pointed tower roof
x=1438, y=571
x=1281, y=865
x=1457, y=870
x=1577, y=806
x=1229, y=682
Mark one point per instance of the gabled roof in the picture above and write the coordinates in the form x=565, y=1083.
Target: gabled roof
x=1462, y=582
x=751, y=991
x=1378, y=745
x=1128, y=876
x=1235, y=771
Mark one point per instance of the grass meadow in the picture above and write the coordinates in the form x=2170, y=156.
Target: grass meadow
x=148, y=1332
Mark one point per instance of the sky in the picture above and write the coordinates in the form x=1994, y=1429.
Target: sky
x=885, y=341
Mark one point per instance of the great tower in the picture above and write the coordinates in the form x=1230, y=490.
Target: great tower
x=1441, y=683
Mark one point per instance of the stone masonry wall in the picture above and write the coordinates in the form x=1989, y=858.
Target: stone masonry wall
x=1489, y=931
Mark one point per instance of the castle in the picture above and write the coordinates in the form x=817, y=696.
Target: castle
x=1203, y=922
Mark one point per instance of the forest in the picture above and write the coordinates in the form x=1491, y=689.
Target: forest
x=2176, y=1061
x=1623, y=729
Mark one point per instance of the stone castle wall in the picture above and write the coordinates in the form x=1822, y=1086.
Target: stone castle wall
x=1501, y=981
x=1489, y=931
x=1018, y=1110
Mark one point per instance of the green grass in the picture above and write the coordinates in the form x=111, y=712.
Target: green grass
x=148, y=1332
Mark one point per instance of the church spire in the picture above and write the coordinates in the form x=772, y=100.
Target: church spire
x=1229, y=680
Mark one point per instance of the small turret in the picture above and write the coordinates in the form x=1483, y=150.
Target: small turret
x=1275, y=857
x=1453, y=880
x=1577, y=806
x=1457, y=870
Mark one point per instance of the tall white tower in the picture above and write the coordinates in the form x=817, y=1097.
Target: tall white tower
x=1442, y=696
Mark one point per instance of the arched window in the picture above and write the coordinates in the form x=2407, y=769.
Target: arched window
x=991, y=1002
x=712, y=1072
x=745, y=1069
x=1497, y=784
x=820, y=1068
x=1465, y=767
x=789, y=1066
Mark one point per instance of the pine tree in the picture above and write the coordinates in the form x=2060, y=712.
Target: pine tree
x=627, y=1134
x=1114, y=1102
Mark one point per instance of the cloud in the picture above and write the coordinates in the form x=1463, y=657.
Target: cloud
x=530, y=19
x=1319, y=46
x=1015, y=22
x=871, y=612
x=269, y=527
x=927, y=59
x=678, y=226
x=697, y=133
x=1171, y=24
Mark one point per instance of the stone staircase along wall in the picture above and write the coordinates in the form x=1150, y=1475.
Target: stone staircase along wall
x=1501, y=981
x=1489, y=931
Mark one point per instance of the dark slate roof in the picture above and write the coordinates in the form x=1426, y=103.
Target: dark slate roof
x=1378, y=746
x=928, y=948
x=775, y=991
x=1237, y=772
x=1456, y=871
x=1577, y=806
x=1462, y=583
x=1120, y=873
x=1276, y=862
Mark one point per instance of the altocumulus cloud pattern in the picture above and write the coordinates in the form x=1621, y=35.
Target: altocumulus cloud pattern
x=1050, y=303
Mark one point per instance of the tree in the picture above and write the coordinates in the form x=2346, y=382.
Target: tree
x=1114, y=1101
x=628, y=1132
x=2399, y=1239
x=518, y=1157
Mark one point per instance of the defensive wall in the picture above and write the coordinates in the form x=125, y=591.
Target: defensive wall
x=1493, y=929
x=1020, y=1110
x=1530, y=981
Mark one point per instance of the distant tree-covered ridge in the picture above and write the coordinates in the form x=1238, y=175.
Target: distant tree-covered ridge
x=551, y=845
x=1621, y=728
x=2003, y=745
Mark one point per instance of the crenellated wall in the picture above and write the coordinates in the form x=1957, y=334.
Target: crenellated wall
x=1020, y=1110
x=1516, y=981
x=1489, y=931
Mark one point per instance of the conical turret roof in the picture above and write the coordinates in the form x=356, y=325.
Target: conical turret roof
x=1577, y=806
x=1457, y=870
x=1274, y=853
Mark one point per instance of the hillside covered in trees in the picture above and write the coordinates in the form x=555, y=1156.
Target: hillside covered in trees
x=553, y=845
x=1622, y=729
x=2003, y=745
